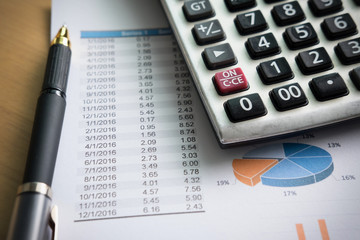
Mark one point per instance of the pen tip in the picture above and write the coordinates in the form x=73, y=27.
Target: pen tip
x=63, y=32
x=62, y=37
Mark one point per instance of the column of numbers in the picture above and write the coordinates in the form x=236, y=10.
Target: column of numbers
x=188, y=148
x=147, y=122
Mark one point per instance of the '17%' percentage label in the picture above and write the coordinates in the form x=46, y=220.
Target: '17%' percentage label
x=289, y=193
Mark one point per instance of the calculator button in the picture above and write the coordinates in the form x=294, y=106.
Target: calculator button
x=238, y=5
x=272, y=1
x=244, y=108
x=355, y=77
x=230, y=81
x=328, y=87
x=300, y=36
x=288, y=97
x=325, y=7
x=262, y=46
x=197, y=10
x=287, y=13
x=314, y=61
x=250, y=22
x=339, y=27
x=349, y=51
x=274, y=71
x=208, y=32
x=219, y=56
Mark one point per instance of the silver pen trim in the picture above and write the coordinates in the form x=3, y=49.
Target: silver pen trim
x=37, y=187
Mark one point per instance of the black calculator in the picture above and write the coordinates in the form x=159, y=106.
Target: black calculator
x=269, y=68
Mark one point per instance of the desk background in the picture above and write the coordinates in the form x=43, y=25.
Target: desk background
x=24, y=43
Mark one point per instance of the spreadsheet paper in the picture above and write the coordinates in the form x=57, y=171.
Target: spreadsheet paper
x=138, y=158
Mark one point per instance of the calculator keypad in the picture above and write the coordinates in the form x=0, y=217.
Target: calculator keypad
x=237, y=5
x=322, y=8
x=348, y=51
x=208, y=32
x=245, y=108
x=314, y=61
x=328, y=87
x=274, y=71
x=355, y=77
x=230, y=81
x=288, y=97
x=250, y=22
x=262, y=46
x=219, y=56
x=339, y=27
x=271, y=59
x=287, y=13
x=300, y=36
x=198, y=10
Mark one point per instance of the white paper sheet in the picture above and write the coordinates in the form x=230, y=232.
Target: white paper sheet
x=138, y=158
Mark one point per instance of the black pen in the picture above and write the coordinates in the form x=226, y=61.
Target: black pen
x=32, y=215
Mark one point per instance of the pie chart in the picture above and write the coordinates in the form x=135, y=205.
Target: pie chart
x=284, y=165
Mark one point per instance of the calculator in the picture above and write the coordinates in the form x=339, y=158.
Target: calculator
x=270, y=68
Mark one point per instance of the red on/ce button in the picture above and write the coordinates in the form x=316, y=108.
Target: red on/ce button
x=230, y=81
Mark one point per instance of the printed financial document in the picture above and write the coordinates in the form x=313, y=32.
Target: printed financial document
x=138, y=158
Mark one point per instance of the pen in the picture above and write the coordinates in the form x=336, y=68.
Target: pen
x=33, y=217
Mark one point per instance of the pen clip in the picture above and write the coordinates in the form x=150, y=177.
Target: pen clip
x=53, y=222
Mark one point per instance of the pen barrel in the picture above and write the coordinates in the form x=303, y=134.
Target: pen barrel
x=57, y=68
x=30, y=219
x=45, y=138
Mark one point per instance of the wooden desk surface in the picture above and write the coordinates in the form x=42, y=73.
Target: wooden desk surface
x=24, y=44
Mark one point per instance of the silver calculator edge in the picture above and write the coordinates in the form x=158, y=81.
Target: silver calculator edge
x=275, y=123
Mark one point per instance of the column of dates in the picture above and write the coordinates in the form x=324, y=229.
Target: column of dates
x=98, y=194
x=188, y=149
